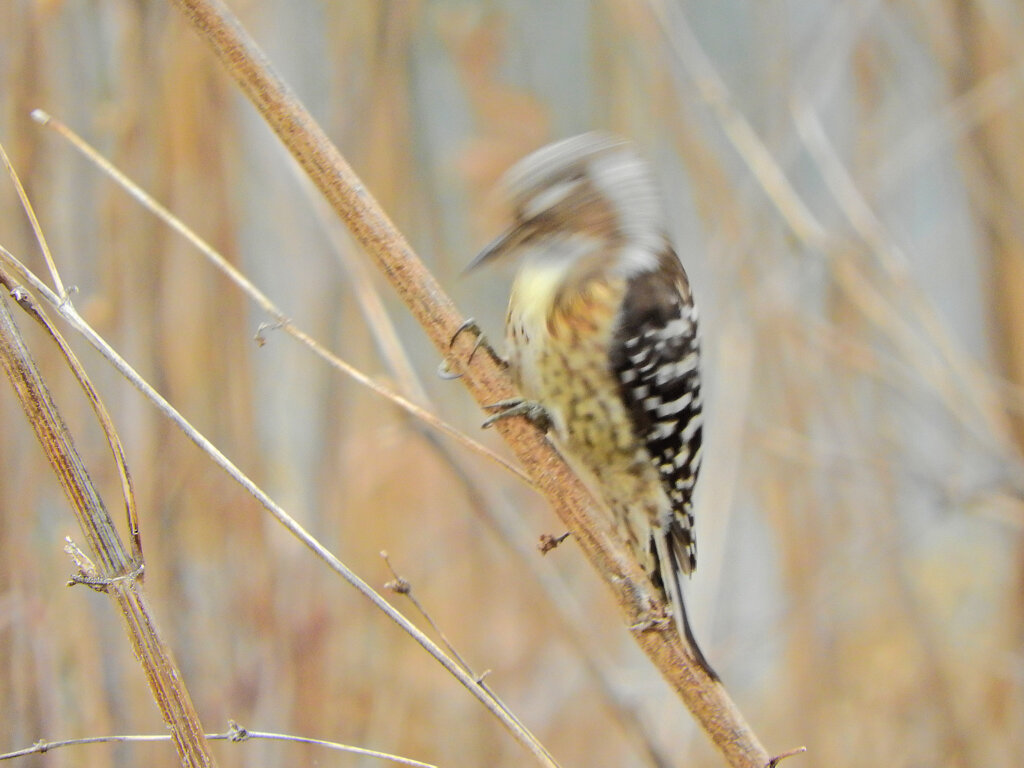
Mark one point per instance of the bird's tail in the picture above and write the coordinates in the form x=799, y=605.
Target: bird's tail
x=671, y=577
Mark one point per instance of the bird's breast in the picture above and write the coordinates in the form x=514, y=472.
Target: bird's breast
x=559, y=354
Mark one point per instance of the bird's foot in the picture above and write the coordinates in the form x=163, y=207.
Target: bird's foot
x=445, y=372
x=530, y=410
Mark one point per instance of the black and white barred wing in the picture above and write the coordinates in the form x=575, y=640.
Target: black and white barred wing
x=655, y=358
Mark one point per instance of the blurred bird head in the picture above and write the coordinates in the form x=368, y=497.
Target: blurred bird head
x=584, y=193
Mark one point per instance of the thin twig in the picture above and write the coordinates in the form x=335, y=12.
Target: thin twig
x=378, y=321
x=403, y=587
x=236, y=734
x=40, y=238
x=107, y=424
x=790, y=753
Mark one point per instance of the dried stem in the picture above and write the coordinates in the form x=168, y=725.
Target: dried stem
x=236, y=734
x=486, y=380
x=117, y=573
x=400, y=585
x=113, y=439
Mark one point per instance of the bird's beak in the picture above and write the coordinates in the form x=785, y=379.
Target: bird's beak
x=501, y=246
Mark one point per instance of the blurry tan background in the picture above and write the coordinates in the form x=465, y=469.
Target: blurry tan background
x=861, y=576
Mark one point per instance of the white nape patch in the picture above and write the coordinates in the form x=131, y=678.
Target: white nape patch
x=548, y=198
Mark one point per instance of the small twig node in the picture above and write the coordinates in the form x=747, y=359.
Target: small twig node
x=779, y=758
x=549, y=541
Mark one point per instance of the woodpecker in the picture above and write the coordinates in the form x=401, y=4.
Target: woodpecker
x=602, y=340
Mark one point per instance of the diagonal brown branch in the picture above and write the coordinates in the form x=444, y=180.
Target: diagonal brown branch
x=485, y=378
